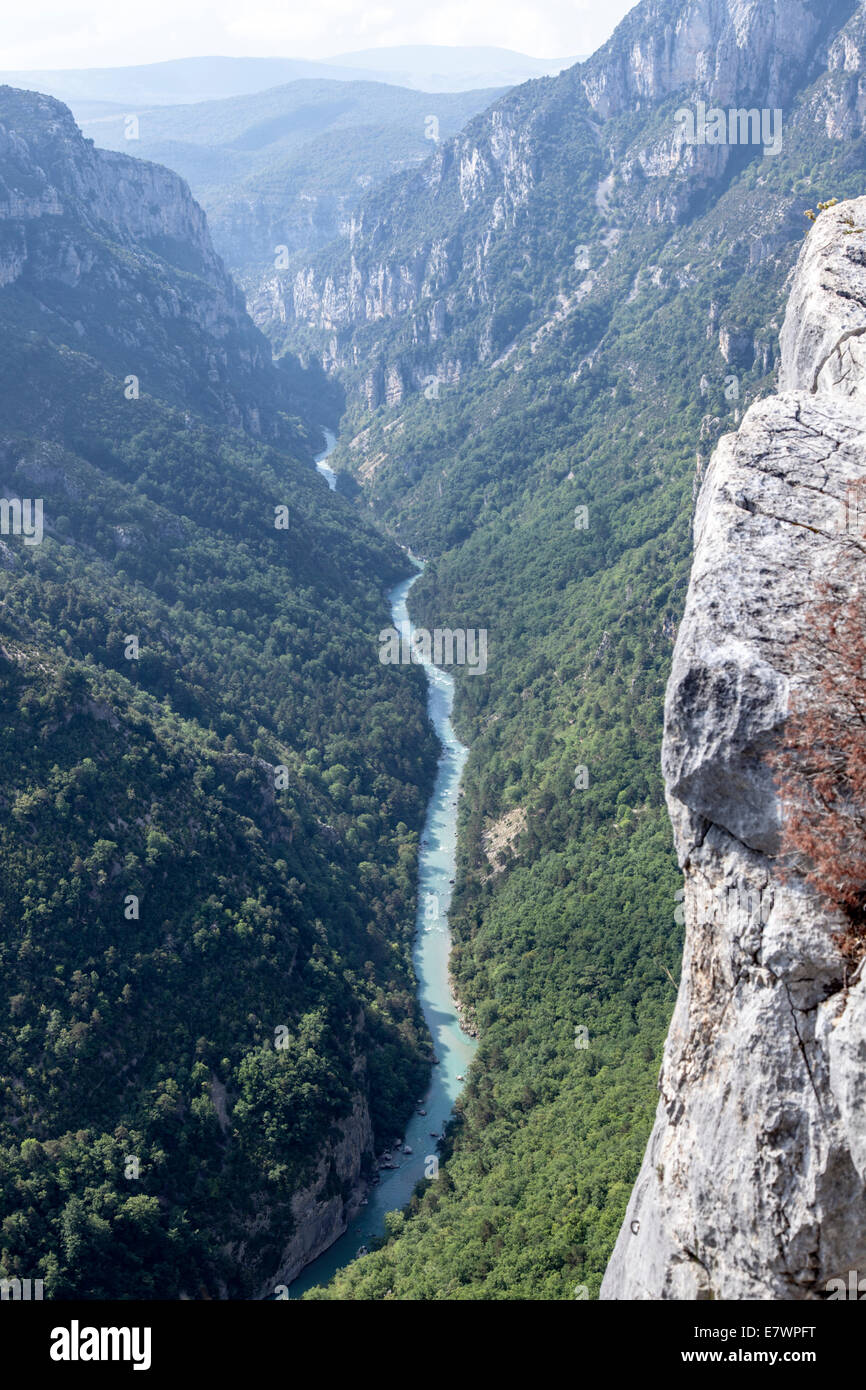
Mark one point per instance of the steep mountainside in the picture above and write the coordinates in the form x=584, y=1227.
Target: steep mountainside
x=496, y=211
x=209, y=822
x=530, y=219
x=283, y=168
x=542, y=333
x=755, y=1175
x=112, y=257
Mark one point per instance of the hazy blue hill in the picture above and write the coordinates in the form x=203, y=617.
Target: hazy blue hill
x=427, y=66
x=177, y=80
x=283, y=119
x=441, y=68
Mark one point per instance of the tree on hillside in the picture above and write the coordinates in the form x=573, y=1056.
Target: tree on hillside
x=821, y=765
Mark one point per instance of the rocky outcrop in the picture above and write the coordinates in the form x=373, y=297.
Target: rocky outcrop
x=842, y=103
x=320, y=1214
x=824, y=337
x=754, y=1180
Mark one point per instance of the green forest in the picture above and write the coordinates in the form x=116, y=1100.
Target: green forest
x=208, y=826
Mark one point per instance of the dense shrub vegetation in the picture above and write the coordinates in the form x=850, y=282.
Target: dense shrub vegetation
x=204, y=839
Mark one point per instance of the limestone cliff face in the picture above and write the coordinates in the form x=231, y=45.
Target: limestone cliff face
x=734, y=48
x=112, y=256
x=426, y=271
x=320, y=1217
x=318, y=1212
x=754, y=1179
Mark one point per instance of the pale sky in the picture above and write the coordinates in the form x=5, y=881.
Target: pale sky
x=114, y=33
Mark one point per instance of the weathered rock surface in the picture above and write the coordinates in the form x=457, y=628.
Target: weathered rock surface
x=824, y=337
x=320, y=1218
x=754, y=1180
x=733, y=46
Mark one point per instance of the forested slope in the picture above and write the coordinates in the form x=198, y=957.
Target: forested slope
x=209, y=822
x=564, y=309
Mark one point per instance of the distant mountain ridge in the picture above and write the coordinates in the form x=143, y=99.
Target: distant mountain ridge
x=213, y=78
x=437, y=68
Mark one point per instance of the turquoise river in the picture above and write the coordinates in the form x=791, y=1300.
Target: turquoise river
x=452, y=1047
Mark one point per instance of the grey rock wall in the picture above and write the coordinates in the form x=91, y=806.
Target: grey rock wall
x=753, y=1185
